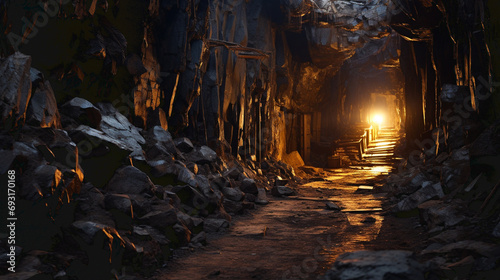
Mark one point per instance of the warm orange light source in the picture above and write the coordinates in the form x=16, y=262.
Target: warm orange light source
x=378, y=119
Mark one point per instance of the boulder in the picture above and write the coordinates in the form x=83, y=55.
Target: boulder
x=282, y=191
x=117, y=126
x=427, y=192
x=129, y=180
x=82, y=112
x=436, y=213
x=96, y=143
x=221, y=182
x=451, y=236
x=152, y=233
x=206, y=189
x=158, y=134
x=202, y=155
x=184, y=144
x=65, y=155
x=161, y=167
x=294, y=159
x=161, y=217
x=232, y=207
x=41, y=181
x=182, y=234
x=479, y=247
x=88, y=230
x=163, y=141
x=142, y=205
x=376, y=265
x=185, y=175
x=90, y=199
x=214, y=225
x=44, y=136
x=233, y=194
x=456, y=169
x=250, y=197
x=120, y=202
x=200, y=238
x=185, y=219
x=233, y=173
x=165, y=194
x=42, y=108
x=249, y=186
x=15, y=88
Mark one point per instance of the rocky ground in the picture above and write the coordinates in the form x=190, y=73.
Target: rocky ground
x=97, y=197
x=300, y=236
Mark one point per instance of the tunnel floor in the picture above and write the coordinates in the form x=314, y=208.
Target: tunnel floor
x=298, y=237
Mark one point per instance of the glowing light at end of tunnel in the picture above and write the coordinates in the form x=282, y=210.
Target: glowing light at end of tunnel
x=378, y=119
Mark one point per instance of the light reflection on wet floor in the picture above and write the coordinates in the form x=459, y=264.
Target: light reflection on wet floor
x=357, y=206
x=379, y=156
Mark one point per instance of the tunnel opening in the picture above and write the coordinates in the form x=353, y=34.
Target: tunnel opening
x=353, y=78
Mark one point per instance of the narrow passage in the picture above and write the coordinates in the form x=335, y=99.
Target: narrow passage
x=299, y=237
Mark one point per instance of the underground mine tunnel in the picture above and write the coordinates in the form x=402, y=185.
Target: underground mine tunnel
x=256, y=139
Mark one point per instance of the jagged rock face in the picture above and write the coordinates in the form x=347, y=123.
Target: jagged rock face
x=15, y=90
x=442, y=39
x=42, y=109
x=209, y=69
x=338, y=28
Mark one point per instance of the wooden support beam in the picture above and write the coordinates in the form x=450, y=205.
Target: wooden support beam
x=239, y=50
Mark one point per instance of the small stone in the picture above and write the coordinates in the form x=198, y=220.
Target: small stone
x=282, y=191
x=261, y=197
x=200, y=238
x=332, y=206
x=261, y=201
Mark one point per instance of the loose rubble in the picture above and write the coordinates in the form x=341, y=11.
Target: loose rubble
x=97, y=181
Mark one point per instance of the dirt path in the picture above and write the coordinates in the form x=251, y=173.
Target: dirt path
x=298, y=237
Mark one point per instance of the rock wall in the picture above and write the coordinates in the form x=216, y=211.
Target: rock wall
x=445, y=44
x=218, y=71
